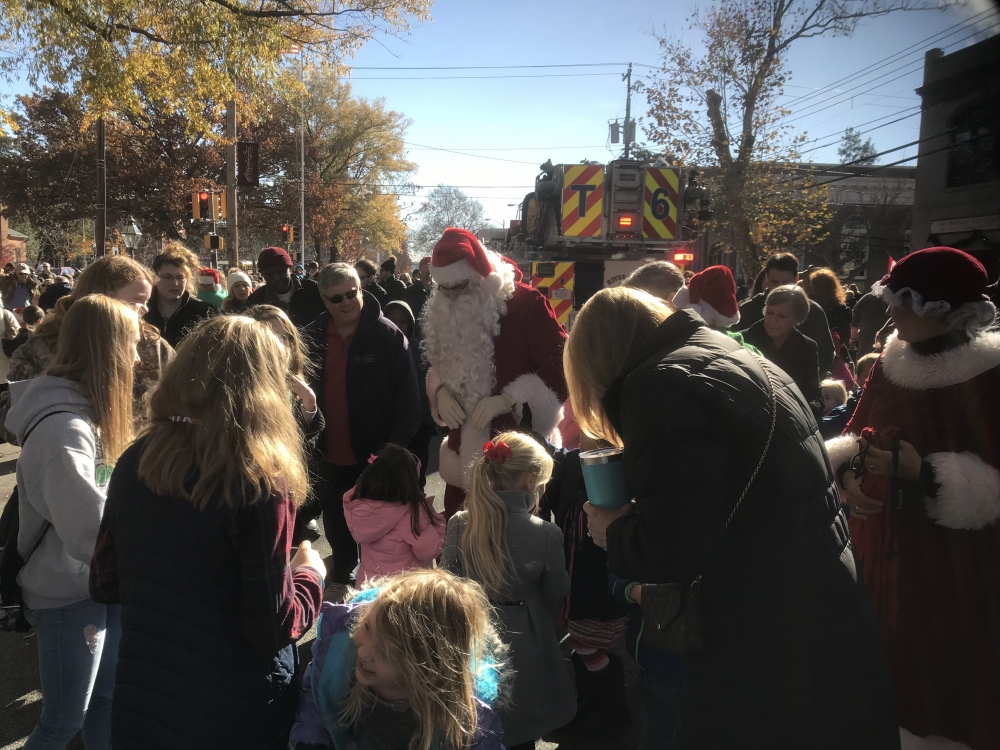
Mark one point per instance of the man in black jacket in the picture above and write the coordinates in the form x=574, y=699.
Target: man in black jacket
x=365, y=379
x=782, y=269
x=172, y=309
x=299, y=298
x=417, y=294
x=394, y=288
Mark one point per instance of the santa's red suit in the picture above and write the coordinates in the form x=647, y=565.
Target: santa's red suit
x=931, y=562
x=524, y=347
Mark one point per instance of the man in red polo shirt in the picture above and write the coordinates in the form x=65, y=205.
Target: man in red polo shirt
x=365, y=379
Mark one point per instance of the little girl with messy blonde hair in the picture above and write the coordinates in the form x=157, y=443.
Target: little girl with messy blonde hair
x=411, y=664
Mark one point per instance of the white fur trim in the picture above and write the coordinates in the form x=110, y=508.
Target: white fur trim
x=458, y=271
x=969, y=494
x=454, y=467
x=904, y=367
x=546, y=409
x=971, y=317
x=206, y=280
x=841, y=450
x=935, y=308
x=712, y=317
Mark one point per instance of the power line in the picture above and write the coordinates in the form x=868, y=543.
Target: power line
x=490, y=67
x=883, y=125
x=475, y=156
x=907, y=52
x=845, y=96
x=480, y=78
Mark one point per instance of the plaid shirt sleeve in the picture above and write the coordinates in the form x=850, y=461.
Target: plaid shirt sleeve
x=104, y=563
x=278, y=604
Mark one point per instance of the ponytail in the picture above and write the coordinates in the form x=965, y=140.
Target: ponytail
x=485, y=553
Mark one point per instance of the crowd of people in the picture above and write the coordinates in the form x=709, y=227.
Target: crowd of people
x=809, y=557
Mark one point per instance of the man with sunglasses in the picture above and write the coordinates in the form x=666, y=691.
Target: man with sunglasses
x=365, y=378
x=299, y=298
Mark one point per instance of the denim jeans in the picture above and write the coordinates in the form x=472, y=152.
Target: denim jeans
x=77, y=655
x=661, y=705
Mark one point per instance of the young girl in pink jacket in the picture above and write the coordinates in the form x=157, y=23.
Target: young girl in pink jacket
x=390, y=517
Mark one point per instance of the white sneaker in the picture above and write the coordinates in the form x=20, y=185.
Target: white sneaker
x=313, y=526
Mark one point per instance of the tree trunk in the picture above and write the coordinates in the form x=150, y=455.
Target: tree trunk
x=733, y=182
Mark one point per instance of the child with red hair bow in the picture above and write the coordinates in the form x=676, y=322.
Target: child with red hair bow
x=518, y=559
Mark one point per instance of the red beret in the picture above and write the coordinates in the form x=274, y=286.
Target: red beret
x=273, y=257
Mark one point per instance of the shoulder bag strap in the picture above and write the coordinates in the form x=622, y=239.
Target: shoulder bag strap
x=767, y=445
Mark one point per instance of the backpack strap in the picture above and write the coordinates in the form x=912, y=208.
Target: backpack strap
x=48, y=524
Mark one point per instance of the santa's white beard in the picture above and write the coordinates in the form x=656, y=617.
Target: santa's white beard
x=458, y=342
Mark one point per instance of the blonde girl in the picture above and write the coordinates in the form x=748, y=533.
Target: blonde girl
x=195, y=545
x=413, y=663
x=518, y=559
x=73, y=423
x=112, y=276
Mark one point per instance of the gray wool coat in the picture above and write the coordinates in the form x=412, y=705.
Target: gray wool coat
x=541, y=696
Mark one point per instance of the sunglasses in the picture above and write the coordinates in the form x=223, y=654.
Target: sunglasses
x=338, y=298
x=461, y=286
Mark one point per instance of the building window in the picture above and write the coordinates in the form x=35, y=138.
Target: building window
x=973, y=157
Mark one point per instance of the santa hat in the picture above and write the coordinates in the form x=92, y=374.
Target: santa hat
x=208, y=276
x=712, y=294
x=459, y=257
x=941, y=282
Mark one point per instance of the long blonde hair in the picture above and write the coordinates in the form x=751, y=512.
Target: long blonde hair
x=609, y=329
x=94, y=350
x=104, y=276
x=485, y=554
x=436, y=629
x=242, y=444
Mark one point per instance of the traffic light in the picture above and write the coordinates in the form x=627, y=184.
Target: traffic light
x=201, y=205
x=287, y=234
x=216, y=206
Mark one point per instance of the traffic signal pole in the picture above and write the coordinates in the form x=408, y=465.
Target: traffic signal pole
x=302, y=163
x=232, y=230
x=628, y=108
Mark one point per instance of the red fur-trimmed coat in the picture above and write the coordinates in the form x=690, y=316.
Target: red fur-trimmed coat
x=933, y=569
x=528, y=357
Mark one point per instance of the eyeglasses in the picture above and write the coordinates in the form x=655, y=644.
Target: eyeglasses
x=338, y=298
x=460, y=287
x=365, y=277
x=171, y=279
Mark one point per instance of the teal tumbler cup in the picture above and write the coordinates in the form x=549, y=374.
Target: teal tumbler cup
x=604, y=475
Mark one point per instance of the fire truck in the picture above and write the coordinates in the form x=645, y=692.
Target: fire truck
x=587, y=226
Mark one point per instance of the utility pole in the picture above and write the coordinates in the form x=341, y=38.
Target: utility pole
x=232, y=230
x=101, y=223
x=302, y=163
x=628, y=108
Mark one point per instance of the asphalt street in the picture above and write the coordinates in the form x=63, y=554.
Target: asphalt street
x=20, y=699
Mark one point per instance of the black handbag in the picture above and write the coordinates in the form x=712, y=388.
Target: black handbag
x=672, y=612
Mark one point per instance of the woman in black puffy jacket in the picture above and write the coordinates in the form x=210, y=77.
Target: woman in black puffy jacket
x=792, y=656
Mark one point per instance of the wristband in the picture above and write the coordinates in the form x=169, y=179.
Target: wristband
x=628, y=592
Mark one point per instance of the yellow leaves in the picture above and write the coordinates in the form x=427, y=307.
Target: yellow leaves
x=195, y=52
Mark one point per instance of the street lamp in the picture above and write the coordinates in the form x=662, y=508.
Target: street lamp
x=132, y=237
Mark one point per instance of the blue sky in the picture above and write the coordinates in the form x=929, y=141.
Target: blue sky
x=528, y=120
x=506, y=126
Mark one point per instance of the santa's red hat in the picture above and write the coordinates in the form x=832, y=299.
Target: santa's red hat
x=458, y=257
x=712, y=294
x=208, y=276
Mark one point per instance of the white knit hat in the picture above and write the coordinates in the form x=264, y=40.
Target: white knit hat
x=237, y=276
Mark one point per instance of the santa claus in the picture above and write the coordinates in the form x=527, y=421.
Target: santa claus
x=919, y=466
x=493, y=345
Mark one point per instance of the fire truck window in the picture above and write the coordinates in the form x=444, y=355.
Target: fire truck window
x=546, y=270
